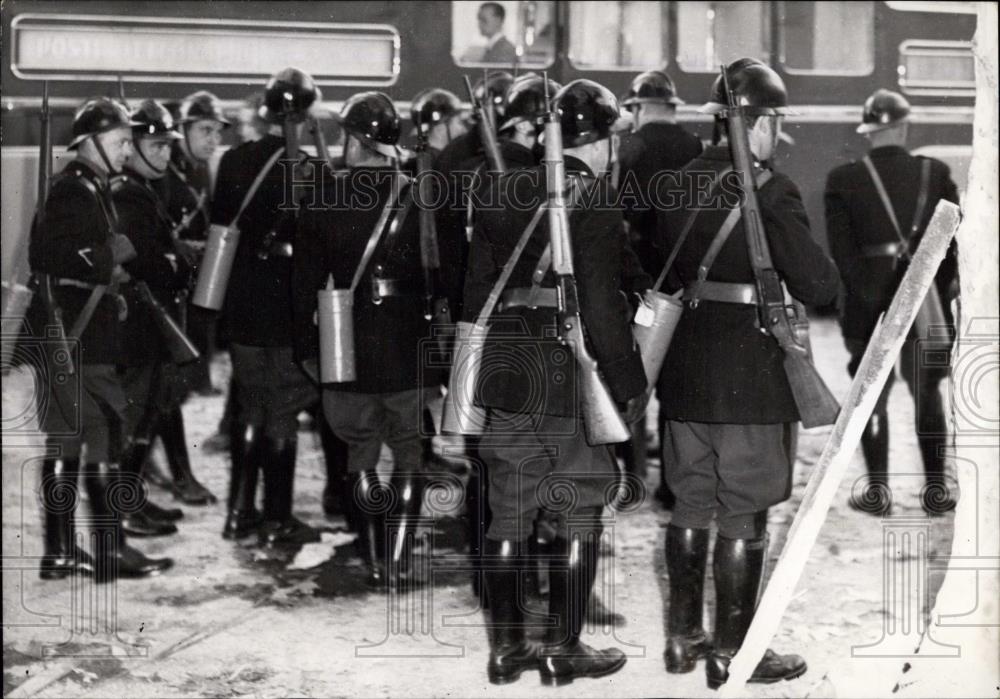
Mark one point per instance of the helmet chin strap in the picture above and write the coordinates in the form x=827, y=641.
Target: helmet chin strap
x=104, y=156
x=187, y=143
x=157, y=170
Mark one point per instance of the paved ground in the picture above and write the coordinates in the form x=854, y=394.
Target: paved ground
x=230, y=621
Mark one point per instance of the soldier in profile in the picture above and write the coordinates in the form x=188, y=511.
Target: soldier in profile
x=498, y=48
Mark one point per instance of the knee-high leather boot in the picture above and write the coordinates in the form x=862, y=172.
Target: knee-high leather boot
x=369, y=500
x=245, y=451
x=113, y=557
x=150, y=519
x=186, y=487
x=876, y=498
x=60, y=496
x=477, y=515
x=335, y=495
x=510, y=653
x=738, y=566
x=687, y=642
x=564, y=657
x=280, y=527
x=402, y=529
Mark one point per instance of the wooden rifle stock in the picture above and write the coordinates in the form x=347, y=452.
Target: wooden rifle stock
x=602, y=421
x=181, y=349
x=816, y=404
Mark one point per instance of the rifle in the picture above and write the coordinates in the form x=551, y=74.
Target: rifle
x=436, y=308
x=602, y=421
x=60, y=345
x=181, y=349
x=815, y=402
x=319, y=140
x=487, y=131
x=121, y=91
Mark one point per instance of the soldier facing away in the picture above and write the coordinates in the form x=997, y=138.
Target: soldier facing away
x=534, y=432
x=367, y=241
x=876, y=212
x=723, y=390
x=271, y=389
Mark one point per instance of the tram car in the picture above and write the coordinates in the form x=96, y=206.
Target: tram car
x=832, y=55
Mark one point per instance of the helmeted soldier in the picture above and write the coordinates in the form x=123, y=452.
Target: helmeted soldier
x=367, y=239
x=657, y=144
x=185, y=192
x=723, y=390
x=534, y=436
x=489, y=91
x=159, y=280
x=524, y=108
x=271, y=389
x=437, y=116
x=77, y=253
x=877, y=209
x=656, y=147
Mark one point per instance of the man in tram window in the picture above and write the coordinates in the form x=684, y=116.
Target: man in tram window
x=498, y=48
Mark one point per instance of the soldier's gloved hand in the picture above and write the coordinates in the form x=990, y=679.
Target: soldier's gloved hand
x=635, y=408
x=122, y=249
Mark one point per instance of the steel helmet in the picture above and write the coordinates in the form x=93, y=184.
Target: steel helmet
x=586, y=112
x=288, y=95
x=653, y=86
x=883, y=109
x=756, y=85
x=432, y=106
x=493, y=87
x=372, y=118
x=97, y=116
x=525, y=101
x=201, y=105
x=151, y=118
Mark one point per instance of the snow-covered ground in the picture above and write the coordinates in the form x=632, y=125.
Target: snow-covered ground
x=231, y=621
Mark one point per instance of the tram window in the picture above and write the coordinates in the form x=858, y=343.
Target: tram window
x=504, y=33
x=712, y=33
x=929, y=67
x=618, y=35
x=829, y=38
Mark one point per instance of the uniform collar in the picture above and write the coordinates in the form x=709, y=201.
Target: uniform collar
x=129, y=172
x=90, y=170
x=887, y=151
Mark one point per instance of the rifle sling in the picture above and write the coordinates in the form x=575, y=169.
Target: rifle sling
x=922, y=194
x=391, y=238
x=508, y=269
x=376, y=233
x=684, y=233
x=693, y=294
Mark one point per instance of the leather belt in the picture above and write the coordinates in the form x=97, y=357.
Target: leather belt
x=894, y=249
x=394, y=287
x=529, y=297
x=723, y=292
x=61, y=281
